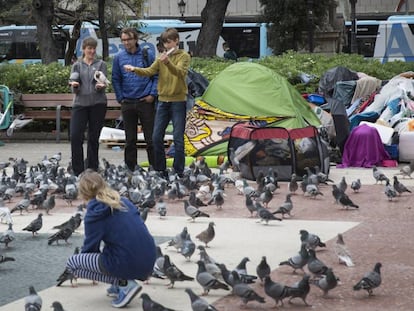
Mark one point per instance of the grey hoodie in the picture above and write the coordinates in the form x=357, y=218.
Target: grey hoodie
x=86, y=94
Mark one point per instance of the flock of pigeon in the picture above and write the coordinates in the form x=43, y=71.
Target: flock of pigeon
x=36, y=187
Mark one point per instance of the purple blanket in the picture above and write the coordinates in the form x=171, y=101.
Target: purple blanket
x=364, y=148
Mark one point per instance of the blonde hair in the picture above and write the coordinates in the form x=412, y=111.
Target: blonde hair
x=92, y=185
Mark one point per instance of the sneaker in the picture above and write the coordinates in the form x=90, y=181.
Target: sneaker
x=112, y=291
x=126, y=294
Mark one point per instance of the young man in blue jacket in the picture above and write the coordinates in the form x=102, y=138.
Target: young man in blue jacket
x=137, y=95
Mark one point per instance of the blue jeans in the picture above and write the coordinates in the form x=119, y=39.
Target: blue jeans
x=176, y=113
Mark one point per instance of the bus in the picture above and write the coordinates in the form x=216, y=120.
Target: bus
x=386, y=40
x=18, y=44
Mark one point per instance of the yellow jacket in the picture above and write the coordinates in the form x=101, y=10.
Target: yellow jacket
x=172, y=86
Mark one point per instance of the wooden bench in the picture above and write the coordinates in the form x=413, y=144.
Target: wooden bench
x=57, y=107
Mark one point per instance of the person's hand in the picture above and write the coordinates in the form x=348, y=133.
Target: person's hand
x=74, y=83
x=164, y=58
x=99, y=86
x=129, y=68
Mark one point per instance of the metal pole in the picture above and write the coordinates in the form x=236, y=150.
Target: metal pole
x=354, y=45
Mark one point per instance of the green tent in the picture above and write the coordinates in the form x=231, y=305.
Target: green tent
x=244, y=91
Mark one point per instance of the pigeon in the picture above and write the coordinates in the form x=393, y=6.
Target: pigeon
x=263, y=269
x=312, y=190
x=326, y=282
x=173, y=273
x=6, y=258
x=204, y=256
x=378, y=175
x=265, y=215
x=315, y=265
x=341, y=251
x=250, y=205
x=5, y=214
x=207, y=235
x=399, y=186
x=194, y=200
x=241, y=271
x=286, y=207
x=198, y=303
x=32, y=302
x=345, y=201
x=207, y=280
x=275, y=290
x=265, y=197
x=310, y=240
x=158, y=269
x=23, y=204
x=299, y=290
x=100, y=77
x=356, y=185
x=8, y=236
x=35, y=225
x=299, y=260
x=57, y=306
x=370, y=280
x=63, y=234
x=293, y=184
x=188, y=248
x=150, y=305
x=407, y=170
x=389, y=191
x=178, y=240
x=193, y=212
x=161, y=207
x=65, y=276
x=245, y=292
x=343, y=185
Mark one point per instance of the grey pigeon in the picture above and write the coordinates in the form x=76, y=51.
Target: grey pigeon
x=286, y=206
x=246, y=293
x=389, y=191
x=23, y=204
x=161, y=207
x=275, y=290
x=8, y=236
x=6, y=258
x=150, y=305
x=263, y=269
x=198, y=303
x=207, y=280
x=178, y=240
x=356, y=185
x=173, y=273
x=342, y=252
x=293, y=184
x=188, y=248
x=407, y=170
x=399, y=186
x=228, y=277
x=265, y=215
x=343, y=185
x=379, y=175
x=204, y=256
x=32, y=302
x=251, y=207
x=57, y=306
x=35, y=225
x=336, y=193
x=311, y=240
x=194, y=200
x=63, y=234
x=66, y=275
x=207, y=235
x=241, y=271
x=315, y=265
x=158, y=269
x=299, y=260
x=193, y=212
x=299, y=290
x=49, y=203
x=265, y=197
x=370, y=280
x=346, y=202
x=326, y=282
x=312, y=190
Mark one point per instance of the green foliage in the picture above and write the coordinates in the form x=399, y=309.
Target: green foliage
x=53, y=78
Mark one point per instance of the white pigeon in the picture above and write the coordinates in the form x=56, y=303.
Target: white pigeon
x=100, y=77
x=342, y=252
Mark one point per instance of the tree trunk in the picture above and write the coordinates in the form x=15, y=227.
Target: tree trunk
x=43, y=11
x=102, y=28
x=212, y=18
x=73, y=40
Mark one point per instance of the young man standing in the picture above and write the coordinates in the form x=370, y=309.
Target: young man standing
x=171, y=67
x=135, y=94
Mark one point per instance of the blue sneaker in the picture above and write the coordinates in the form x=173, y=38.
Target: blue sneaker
x=112, y=291
x=126, y=294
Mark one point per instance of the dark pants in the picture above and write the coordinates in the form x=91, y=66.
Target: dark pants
x=132, y=112
x=82, y=118
x=176, y=113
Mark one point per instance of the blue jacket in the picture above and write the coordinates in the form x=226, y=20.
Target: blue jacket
x=129, y=248
x=128, y=84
